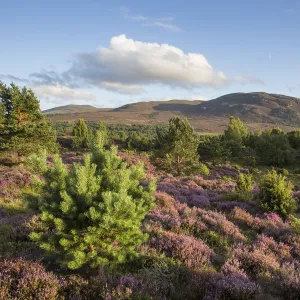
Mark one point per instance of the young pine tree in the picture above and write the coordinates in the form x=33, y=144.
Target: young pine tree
x=92, y=213
x=235, y=136
x=178, y=145
x=276, y=194
x=81, y=135
x=236, y=130
x=244, y=183
x=99, y=138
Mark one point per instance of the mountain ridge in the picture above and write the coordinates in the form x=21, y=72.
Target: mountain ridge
x=258, y=109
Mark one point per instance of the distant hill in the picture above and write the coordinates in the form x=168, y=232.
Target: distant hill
x=71, y=109
x=152, y=106
x=252, y=107
x=257, y=110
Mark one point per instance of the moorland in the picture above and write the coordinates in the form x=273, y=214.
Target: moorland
x=140, y=202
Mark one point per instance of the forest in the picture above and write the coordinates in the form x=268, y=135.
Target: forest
x=96, y=211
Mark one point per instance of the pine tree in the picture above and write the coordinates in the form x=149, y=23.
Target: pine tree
x=276, y=194
x=23, y=129
x=80, y=135
x=235, y=136
x=99, y=138
x=179, y=144
x=92, y=213
x=236, y=130
x=244, y=183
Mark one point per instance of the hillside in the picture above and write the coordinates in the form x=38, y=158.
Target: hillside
x=258, y=110
x=252, y=107
x=71, y=109
x=152, y=106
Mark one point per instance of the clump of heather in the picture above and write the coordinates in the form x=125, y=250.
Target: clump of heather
x=14, y=240
x=22, y=279
x=197, y=191
x=70, y=157
x=269, y=224
x=12, y=180
x=137, y=158
x=216, y=286
x=226, y=170
x=192, y=252
x=263, y=257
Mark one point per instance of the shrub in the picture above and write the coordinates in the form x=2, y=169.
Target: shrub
x=81, y=134
x=92, y=213
x=192, y=252
x=203, y=169
x=276, y=194
x=244, y=183
x=22, y=279
x=37, y=163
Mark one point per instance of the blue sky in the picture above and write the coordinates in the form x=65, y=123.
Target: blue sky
x=108, y=53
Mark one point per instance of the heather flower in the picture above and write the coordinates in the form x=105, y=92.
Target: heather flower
x=192, y=252
x=22, y=279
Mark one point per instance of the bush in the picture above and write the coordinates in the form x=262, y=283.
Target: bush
x=244, y=183
x=81, y=135
x=37, y=163
x=22, y=279
x=203, y=169
x=276, y=194
x=92, y=213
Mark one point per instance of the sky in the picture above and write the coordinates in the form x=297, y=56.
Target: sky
x=110, y=53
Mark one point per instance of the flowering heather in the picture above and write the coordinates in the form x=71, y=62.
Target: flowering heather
x=12, y=180
x=227, y=170
x=22, y=279
x=262, y=257
x=71, y=157
x=194, y=192
x=269, y=224
x=288, y=280
x=134, y=159
x=216, y=286
x=192, y=252
x=218, y=222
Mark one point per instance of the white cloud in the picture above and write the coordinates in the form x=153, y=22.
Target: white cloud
x=164, y=25
x=129, y=62
x=126, y=14
x=62, y=92
x=128, y=66
x=164, y=22
x=195, y=97
x=122, y=88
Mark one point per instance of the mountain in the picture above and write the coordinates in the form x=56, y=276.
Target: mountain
x=152, y=106
x=257, y=110
x=252, y=107
x=71, y=109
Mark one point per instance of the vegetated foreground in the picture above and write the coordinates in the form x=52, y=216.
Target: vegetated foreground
x=203, y=217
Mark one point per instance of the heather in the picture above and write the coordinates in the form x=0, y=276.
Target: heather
x=97, y=221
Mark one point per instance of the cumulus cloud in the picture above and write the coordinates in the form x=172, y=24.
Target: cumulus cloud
x=127, y=66
x=62, y=92
x=129, y=62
